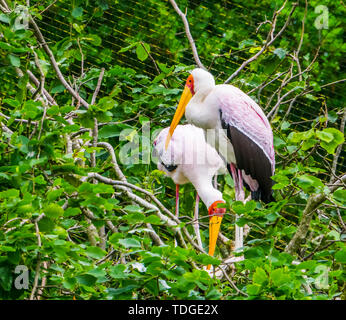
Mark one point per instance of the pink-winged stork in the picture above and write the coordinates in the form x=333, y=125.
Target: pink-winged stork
x=189, y=158
x=244, y=138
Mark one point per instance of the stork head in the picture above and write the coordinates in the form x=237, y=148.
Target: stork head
x=198, y=80
x=202, y=79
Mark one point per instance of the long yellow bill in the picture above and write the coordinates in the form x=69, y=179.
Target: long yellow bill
x=184, y=100
x=214, y=228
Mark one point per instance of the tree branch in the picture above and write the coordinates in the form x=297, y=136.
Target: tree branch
x=270, y=39
x=313, y=203
x=188, y=34
x=55, y=66
x=339, y=148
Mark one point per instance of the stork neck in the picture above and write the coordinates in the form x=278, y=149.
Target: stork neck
x=206, y=191
x=199, y=112
x=202, y=93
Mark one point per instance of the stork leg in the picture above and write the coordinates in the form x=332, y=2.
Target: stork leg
x=176, y=206
x=239, y=196
x=177, y=200
x=196, y=222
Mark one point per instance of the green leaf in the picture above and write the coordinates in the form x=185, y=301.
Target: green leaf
x=207, y=259
x=40, y=180
x=152, y=219
x=310, y=183
x=86, y=279
x=239, y=207
x=58, y=89
x=296, y=137
x=69, y=212
x=133, y=209
x=115, y=293
x=279, y=277
x=253, y=289
x=94, y=39
x=325, y=136
x=309, y=143
x=282, y=181
x=102, y=188
x=77, y=12
x=106, y=103
x=109, y=132
x=69, y=283
x=331, y=145
x=142, y=51
x=117, y=272
x=128, y=47
x=46, y=225
x=153, y=287
x=246, y=43
x=95, y=252
x=259, y=276
x=53, y=110
x=10, y=193
x=280, y=52
x=340, y=256
x=340, y=195
x=53, y=211
x=6, y=277
x=134, y=218
x=4, y=18
x=12, y=102
x=130, y=243
x=15, y=61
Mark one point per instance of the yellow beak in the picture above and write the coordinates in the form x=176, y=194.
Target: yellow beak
x=214, y=228
x=184, y=100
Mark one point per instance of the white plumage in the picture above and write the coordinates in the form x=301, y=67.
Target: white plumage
x=197, y=162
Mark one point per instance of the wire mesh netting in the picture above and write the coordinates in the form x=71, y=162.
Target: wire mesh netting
x=211, y=24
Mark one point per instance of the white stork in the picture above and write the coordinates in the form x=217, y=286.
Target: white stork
x=190, y=159
x=244, y=137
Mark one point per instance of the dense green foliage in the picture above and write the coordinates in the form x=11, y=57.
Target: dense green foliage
x=92, y=240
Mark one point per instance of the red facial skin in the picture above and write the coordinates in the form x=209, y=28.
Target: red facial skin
x=215, y=211
x=190, y=84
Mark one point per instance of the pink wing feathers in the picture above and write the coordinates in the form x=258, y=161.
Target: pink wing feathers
x=251, y=136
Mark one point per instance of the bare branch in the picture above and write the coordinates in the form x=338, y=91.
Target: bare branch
x=98, y=86
x=48, y=7
x=38, y=265
x=116, y=167
x=95, y=129
x=46, y=48
x=188, y=34
x=270, y=39
x=5, y=128
x=313, y=203
x=232, y=283
x=339, y=148
x=171, y=222
x=37, y=83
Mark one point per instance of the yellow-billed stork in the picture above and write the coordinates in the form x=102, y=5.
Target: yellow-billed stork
x=188, y=158
x=243, y=134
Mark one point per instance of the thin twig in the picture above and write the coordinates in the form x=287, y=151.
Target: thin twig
x=339, y=148
x=270, y=39
x=233, y=284
x=38, y=265
x=95, y=128
x=188, y=34
x=46, y=48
